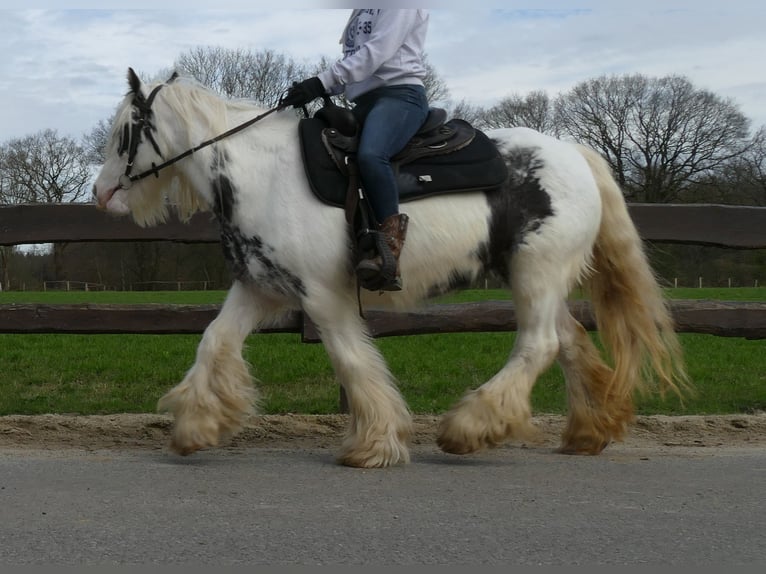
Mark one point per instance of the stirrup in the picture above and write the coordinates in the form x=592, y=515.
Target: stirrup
x=371, y=277
x=378, y=273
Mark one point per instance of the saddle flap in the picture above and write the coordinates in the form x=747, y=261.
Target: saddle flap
x=339, y=147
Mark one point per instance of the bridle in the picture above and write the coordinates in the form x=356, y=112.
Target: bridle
x=143, y=125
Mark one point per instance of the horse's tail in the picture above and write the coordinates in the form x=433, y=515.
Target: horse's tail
x=632, y=316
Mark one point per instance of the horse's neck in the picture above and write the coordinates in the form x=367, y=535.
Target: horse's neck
x=268, y=150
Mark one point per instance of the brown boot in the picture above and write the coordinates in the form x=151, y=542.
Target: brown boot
x=381, y=273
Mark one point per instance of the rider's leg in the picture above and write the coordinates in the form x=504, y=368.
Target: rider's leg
x=392, y=115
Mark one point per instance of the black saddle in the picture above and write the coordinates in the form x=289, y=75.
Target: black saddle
x=442, y=157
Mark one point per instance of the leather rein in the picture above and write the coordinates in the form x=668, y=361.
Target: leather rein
x=143, y=124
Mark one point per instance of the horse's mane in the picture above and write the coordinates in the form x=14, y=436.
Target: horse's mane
x=202, y=114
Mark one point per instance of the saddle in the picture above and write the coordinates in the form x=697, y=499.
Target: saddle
x=442, y=157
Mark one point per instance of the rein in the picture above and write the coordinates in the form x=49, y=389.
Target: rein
x=143, y=123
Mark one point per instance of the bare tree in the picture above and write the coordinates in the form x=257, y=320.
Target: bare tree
x=662, y=136
x=94, y=143
x=464, y=110
x=437, y=91
x=743, y=179
x=534, y=110
x=752, y=173
x=44, y=168
x=262, y=76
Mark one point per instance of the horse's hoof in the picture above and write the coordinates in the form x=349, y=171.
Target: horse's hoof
x=190, y=445
x=375, y=457
x=453, y=439
x=457, y=447
x=366, y=462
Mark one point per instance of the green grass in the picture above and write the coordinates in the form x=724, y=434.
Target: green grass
x=210, y=297
x=720, y=293
x=127, y=373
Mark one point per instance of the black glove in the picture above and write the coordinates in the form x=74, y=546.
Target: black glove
x=302, y=93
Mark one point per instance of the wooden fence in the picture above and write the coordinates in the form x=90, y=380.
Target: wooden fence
x=738, y=227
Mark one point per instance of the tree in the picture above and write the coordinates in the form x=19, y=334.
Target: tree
x=744, y=178
x=94, y=143
x=740, y=181
x=437, y=91
x=262, y=76
x=43, y=168
x=534, y=110
x=662, y=136
x=475, y=115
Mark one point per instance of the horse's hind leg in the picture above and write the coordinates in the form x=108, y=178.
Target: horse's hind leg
x=596, y=414
x=217, y=393
x=380, y=423
x=500, y=408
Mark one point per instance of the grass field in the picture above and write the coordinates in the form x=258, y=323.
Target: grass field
x=91, y=374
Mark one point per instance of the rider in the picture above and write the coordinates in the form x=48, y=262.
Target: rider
x=382, y=73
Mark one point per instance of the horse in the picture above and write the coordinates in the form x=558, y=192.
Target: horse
x=557, y=222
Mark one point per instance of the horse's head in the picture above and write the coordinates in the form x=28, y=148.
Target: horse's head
x=127, y=182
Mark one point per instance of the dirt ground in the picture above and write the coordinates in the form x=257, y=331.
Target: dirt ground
x=149, y=431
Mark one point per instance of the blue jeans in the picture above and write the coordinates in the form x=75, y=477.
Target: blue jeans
x=390, y=116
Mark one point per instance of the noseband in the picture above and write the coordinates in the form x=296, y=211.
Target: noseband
x=143, y=124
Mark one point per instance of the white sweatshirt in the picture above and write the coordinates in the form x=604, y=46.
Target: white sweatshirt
x=381, y=47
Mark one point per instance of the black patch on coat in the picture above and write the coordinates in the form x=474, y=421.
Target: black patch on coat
x=518, y=208
x=239, y=249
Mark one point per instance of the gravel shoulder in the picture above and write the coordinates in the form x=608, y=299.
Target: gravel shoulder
x=151, y=431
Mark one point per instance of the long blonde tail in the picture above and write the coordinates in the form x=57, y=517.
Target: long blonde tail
x=631, y=312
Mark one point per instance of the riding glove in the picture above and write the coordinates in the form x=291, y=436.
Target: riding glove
x=302, y=93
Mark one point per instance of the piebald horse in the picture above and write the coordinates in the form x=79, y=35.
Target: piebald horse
x=559, y=220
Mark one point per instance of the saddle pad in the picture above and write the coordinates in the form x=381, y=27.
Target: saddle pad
x=475, y=167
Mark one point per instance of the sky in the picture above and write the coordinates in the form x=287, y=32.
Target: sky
x=63, y=64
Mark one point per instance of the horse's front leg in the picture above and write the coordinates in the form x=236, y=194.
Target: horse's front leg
x=380, y=424
x=217, y=394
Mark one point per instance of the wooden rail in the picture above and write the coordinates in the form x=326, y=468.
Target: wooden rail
x=719, y=225
x=727, y=319
x=739, y=227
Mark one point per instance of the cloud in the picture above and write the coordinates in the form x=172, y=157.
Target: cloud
x=65, y=69
x=713, y=45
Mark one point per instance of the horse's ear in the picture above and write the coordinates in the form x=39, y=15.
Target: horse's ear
x=172, y=78
x=134, y=82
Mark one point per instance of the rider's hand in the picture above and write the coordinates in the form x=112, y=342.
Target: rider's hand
x=302, y=93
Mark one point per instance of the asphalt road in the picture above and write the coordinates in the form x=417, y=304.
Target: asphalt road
x=293, y=506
